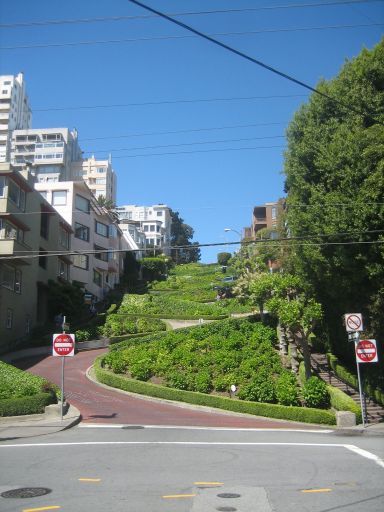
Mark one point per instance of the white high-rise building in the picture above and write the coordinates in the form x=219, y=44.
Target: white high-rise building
x=98, y=175
x=154, y=221
x=15, y=112
x=49, y=152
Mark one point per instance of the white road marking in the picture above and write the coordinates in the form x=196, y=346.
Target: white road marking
x=364, y=453
x=351, y=447
x=226, y=429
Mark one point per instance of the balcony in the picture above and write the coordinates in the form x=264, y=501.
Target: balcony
x=12, y=247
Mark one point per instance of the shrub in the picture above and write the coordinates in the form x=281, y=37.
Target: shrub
x=26, y=405
x=287, y=391
x=203, y=382
x=15, y=383
x=315, y=393
x=342, y=402
x=260, y=389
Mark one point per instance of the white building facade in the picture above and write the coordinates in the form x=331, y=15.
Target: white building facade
x=48, y=152
x=98, y=175
x=96, y=237
x=15, y=112
x=154, y=221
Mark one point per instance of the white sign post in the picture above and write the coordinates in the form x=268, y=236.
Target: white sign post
x=353, y=326
x=63, y=346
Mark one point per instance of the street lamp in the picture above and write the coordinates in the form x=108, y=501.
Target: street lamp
x=234, y=230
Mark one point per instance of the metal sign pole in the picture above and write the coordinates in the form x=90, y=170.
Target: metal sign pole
x=62, y=376
x=357, y=339
x=62, y=385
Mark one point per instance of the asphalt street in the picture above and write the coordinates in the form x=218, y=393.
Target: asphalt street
x=163, y=469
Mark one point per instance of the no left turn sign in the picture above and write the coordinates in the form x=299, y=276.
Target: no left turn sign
x=353, y=322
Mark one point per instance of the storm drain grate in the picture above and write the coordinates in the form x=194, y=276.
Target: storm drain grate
x=226, y=509
x=26, y=492
x=228, y=495
x=132, y=427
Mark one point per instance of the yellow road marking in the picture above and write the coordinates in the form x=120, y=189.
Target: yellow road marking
x=89, y=479
x=170, y=496
x=54, y=507
x=208, y=483
x=316, y=490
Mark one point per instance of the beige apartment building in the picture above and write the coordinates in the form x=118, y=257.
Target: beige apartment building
x=30, y=230
x=98, y=175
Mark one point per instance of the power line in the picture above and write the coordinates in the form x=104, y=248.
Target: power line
x=186, y=144
x=187, y=13
x=173, y=132
x=34, y=254
x=166, y=38
x=253, y=60
x=171, y=102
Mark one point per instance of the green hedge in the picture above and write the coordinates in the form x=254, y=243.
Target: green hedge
x=26, y=405
x=342, y=402
x=351, y=379
x=169, y=316
x=124, y=337
x=259, y=409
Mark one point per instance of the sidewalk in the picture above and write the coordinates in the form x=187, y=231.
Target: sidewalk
x=20, y=427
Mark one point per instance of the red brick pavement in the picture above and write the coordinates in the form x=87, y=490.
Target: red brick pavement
x=100, y=405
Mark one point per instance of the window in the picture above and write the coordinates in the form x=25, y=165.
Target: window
x=81, y=232
x=63, y=269
x=82, y=204
x=112, y=231
x=18, y=281
x=64, y=238
x=273, y=213
x=101, y=181
x=8, y=277
x=103, y=256
x=2, y=186
x=159, y=214
x=42, y=258
x=81, y=261
x=158, y=229
x=100, y=170
x=101, y=229
x=44, y=223
x=59, y=197
x=51, y=136
x=145, y=228
x=10, y=232
x=7, y=83
x=9, y=319
x=14, y=192
x=97, y=277
x=152, y=228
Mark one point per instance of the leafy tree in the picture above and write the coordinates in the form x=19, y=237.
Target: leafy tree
x=334, y=170
x=154, y=268
x=223, y=258
x=66, y=298
x=181, y=236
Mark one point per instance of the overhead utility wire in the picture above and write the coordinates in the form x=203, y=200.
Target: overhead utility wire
x=187, y=247
x=170, y=102
x=251, y=59
x=259, y=240
x=186, y=144
x=166, y=38
x=187, y=13
x=173, y=132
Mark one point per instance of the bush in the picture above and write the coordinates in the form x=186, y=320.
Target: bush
x=15, y=383
x=287, y=391
x=26, y=405
x=301, y=414
x=315, y=393
x=342, y=402
x=260, y=389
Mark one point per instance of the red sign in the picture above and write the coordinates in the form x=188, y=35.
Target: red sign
x=63, y=344
x=366, y=351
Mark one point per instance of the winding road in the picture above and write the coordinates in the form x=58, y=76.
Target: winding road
x=104, y=405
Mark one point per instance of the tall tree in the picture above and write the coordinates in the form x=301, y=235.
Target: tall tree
x=334, y=168
x=185, y=251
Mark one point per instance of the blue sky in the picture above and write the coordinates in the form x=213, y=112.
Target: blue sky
x=187, y=123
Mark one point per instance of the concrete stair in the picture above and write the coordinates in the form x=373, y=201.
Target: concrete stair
x=374, y=411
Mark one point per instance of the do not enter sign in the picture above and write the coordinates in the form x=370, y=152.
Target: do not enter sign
x=366, y=351
x=63, y=344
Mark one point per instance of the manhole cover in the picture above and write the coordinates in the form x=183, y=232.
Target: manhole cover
x=132, y=427
x=226, y=509
x=228, y=495
x=26, y=492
